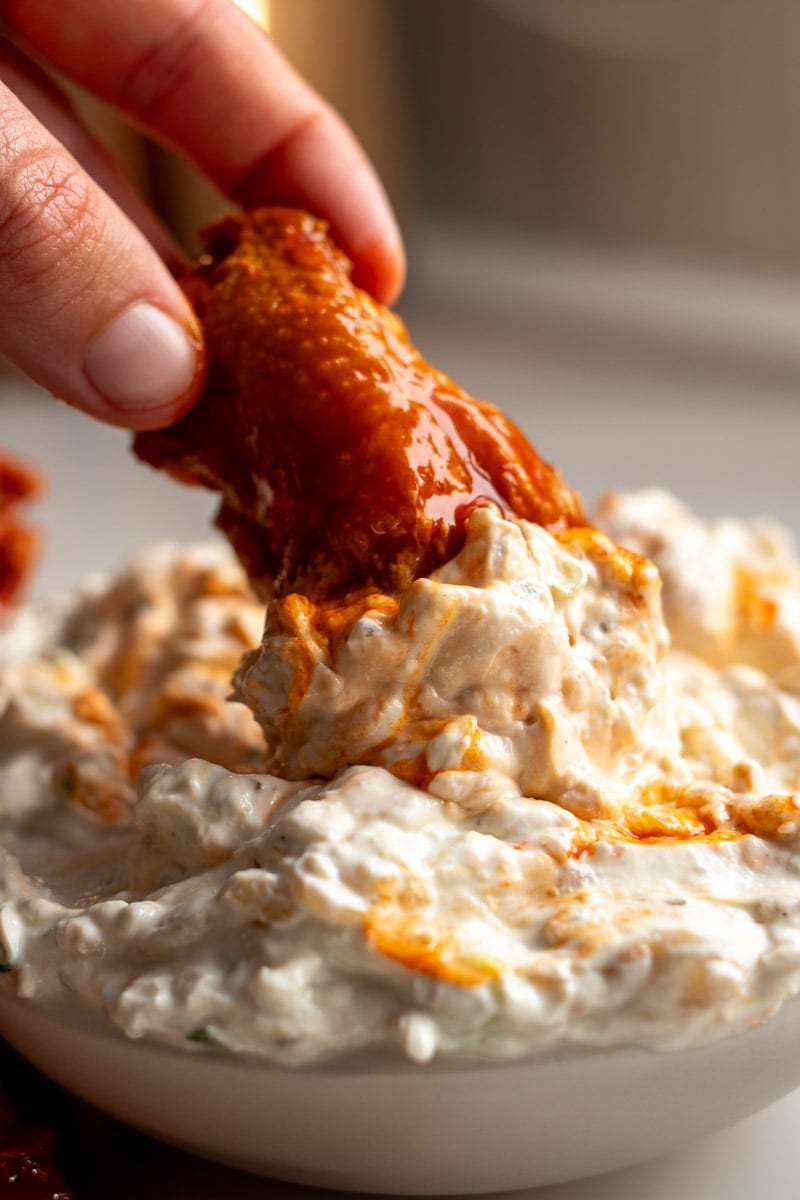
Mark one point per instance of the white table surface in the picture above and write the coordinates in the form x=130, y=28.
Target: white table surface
x=610, y=415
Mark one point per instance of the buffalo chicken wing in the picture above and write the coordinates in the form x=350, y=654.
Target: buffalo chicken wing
x=344, y=460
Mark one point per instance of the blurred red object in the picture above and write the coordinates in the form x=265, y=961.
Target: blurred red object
x=28, y=1147
x=19, y=542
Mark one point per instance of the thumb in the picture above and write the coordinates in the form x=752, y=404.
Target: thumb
x=87, y=307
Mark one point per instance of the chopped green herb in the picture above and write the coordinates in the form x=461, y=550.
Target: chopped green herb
x=202, y=1036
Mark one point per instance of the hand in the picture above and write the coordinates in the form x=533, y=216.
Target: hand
x=88, y=307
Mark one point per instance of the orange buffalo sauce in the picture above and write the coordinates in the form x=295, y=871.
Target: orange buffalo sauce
x=661, y=815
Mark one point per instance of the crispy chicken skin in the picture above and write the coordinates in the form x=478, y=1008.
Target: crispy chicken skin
x=19, y=542
x=344, y=460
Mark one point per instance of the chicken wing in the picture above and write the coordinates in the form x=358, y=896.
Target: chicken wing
x=344, y=459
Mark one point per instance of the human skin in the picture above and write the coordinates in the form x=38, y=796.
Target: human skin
x=89, y=308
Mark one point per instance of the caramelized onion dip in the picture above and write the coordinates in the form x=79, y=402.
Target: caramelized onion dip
x=548, y=796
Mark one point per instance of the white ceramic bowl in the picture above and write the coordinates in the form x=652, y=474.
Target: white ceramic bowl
x=400, y=1128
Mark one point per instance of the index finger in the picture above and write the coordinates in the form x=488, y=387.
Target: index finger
x=202, y=77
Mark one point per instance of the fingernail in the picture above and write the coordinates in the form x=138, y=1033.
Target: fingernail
x=143, y=359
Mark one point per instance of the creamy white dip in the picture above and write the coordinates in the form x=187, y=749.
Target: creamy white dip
x=494, y=815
